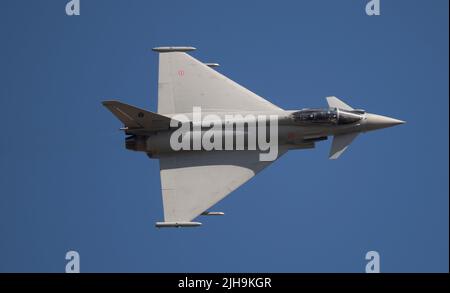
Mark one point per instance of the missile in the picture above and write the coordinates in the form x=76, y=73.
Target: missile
x=213, y=213
x=177, y=224
x=173, y=49
x=212, y=64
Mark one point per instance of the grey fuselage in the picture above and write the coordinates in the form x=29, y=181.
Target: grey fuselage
x=298, y=129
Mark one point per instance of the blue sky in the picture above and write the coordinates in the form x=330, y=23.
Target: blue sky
x=67, y=183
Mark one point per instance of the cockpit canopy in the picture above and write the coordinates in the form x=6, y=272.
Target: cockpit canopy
x=329, y=116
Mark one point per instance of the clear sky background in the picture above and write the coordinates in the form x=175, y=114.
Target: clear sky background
x=68, y=183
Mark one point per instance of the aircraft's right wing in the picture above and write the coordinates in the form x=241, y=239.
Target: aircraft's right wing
x=192, y=182
x=184, y=82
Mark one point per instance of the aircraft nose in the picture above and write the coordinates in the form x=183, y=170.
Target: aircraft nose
x=374, y=121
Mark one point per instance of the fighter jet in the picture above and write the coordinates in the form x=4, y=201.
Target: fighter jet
x=195, y=179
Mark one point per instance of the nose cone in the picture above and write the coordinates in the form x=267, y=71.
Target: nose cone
x=374, y=121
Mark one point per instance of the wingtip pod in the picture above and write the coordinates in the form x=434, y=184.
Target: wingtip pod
x=177, y=224
x=207, y=213
x=212, y=65
x=173, y=49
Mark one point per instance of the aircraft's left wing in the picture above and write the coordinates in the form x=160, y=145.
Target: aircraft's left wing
x=185, y=82
x=192, y=182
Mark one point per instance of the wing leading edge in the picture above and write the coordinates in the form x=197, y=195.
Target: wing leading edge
x=184, y=82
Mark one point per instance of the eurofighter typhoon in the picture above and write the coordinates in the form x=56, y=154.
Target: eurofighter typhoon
x=211, y=135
